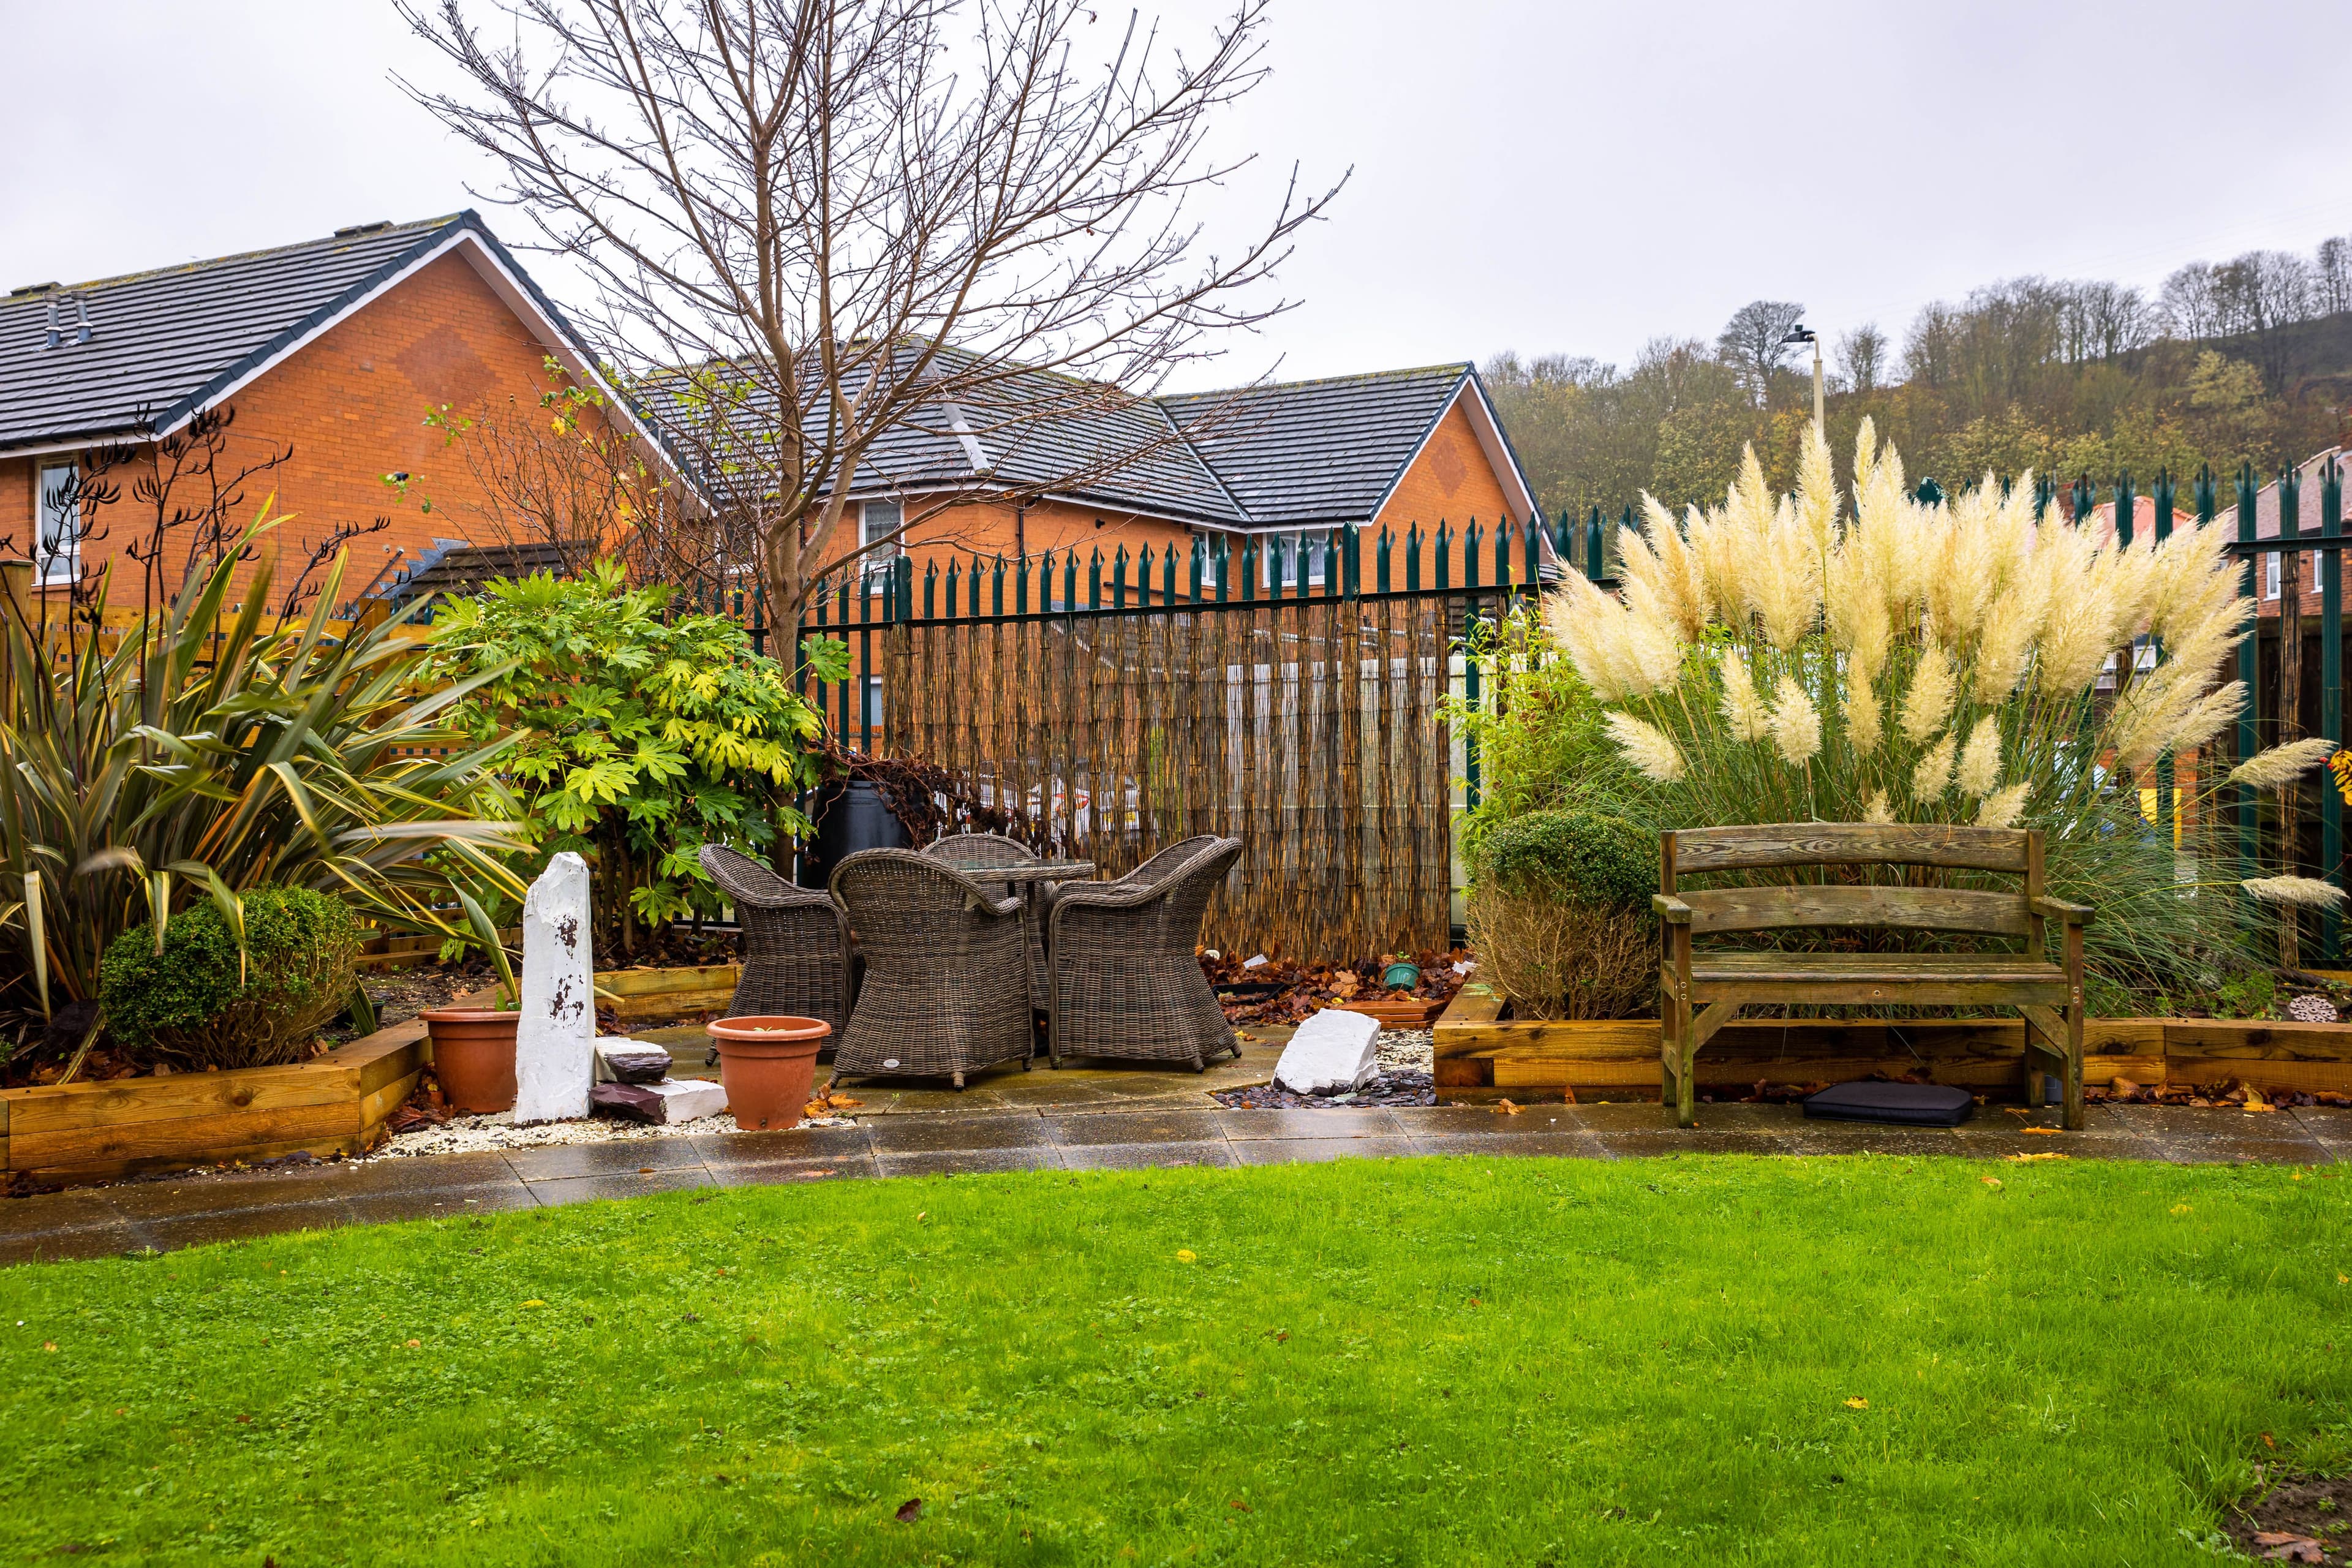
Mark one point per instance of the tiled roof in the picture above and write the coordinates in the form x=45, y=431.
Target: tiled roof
x=1317, y=452
x=163, y=342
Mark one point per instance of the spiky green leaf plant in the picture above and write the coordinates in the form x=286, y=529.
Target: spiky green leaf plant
x=233, y=752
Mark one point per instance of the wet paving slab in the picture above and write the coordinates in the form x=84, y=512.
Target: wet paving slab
x=1096, y=1130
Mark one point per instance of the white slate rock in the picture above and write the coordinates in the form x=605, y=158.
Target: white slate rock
x=1334, y=1052
x=689, y=1099
x=555, y=1036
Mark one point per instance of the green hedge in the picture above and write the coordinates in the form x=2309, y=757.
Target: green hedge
x=1572, y=854
x=191, y=1000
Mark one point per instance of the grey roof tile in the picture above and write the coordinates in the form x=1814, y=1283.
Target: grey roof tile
x=1317, y=452
x=164, y=341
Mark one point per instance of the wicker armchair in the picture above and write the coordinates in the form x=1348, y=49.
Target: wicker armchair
x=1167, y=860
x=972, y=850
x=1126, y=981
x=946, y=990
x=796, y=943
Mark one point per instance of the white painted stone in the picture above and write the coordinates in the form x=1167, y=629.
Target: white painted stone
x=555, y=1053
x=690, y=1099
x=1332, y=1053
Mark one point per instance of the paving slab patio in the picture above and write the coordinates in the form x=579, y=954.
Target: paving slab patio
x=1176, y=1128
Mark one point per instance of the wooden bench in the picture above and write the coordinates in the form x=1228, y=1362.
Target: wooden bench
x=1702, y=991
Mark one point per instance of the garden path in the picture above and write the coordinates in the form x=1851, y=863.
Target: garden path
x=1084, y=1133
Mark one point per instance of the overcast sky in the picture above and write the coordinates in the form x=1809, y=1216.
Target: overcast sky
x=1555, y=178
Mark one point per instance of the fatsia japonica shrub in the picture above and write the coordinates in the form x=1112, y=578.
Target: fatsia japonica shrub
x=636, y=737
x=1784, y=658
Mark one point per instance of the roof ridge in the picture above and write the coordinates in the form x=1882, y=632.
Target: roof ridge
x=181, y=268
x=1452, y=367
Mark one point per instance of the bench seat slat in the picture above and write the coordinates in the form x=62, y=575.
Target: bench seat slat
x=1921, y=909
x=1698, y=849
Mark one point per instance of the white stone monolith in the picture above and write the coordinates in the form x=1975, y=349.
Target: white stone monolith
x=555, y=1039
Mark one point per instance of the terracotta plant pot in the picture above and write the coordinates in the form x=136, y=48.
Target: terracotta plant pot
x=768, y=1064
x=474, y=1057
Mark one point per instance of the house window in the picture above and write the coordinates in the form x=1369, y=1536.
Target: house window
x=2271, y=572
x=59, y=523
x=879, y=520
x=1279, y=561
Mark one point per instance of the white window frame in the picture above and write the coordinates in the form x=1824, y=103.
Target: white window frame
x=881, y=517
x=1274, y=548
x=52, y=566
x=2271, y=576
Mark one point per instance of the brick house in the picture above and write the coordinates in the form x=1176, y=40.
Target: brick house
x=336, y=348
x=1284, y=464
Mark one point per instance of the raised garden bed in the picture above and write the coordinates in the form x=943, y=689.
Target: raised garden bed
x=1478, y=1046
x=99, y=1132
x=336, y=1102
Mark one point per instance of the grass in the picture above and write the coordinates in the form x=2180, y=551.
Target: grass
x=1827, y=1361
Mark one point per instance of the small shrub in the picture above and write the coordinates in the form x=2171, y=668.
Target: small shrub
x=1591, y=856
x=188, y=1001
x=1560, y=914
x=1562, y=958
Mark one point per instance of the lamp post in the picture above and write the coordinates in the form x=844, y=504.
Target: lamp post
x=1800, y=333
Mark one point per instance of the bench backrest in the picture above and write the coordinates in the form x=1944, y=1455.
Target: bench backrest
x=1766, y=846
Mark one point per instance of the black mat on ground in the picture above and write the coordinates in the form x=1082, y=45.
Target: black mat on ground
x=1906, y=1104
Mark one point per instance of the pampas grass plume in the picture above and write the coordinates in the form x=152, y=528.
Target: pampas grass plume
x=1647, y=748
x=1929, y=701
x=1979, y=767
x=1796, y=725
x=1742, y=709
x=2002, y=807
x=1879, y=809
x=2281, y=765
x=1933, y=776
x=2304, y=893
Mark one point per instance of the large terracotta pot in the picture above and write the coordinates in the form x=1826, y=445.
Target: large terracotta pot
x=474, y=1057
x=768, y=1064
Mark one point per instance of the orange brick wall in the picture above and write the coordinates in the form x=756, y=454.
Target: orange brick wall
x=352, y=405
x=1450, y=482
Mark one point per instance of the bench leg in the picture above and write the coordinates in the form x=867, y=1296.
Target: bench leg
x=2071, y=1115
x=2057, y=1037
x=1669, y=1037
x=1686, y=1108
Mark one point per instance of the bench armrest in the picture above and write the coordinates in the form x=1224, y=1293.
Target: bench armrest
x=1670, y=908
x=2060, y=909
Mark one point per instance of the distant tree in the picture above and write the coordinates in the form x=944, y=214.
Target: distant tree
x=2101, y=320
x=2257, y=295
x=2190, y=310
x=1751, y=341
x=2335, y=275
x=1861, y=357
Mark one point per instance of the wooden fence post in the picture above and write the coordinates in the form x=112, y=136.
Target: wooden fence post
x=16, y=592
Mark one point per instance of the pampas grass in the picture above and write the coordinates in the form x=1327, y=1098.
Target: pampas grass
x=1867, y=656
x=2281, y=764
x=2300, y=892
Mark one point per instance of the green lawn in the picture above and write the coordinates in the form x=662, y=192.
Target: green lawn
x=1711, y=1360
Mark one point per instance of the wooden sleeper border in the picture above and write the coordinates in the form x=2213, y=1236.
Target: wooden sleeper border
x=1476, y=1048
x=334, y=1103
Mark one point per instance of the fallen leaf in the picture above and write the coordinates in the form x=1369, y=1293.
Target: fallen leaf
x=2023, y=1159
x=644, y=1169
x=2018, y=1109
x=416, y=1344
x=1989, y=1181
x=534, y=1301
x=911, y=1510
x=49, y=1344
x=1238, y=1503
x=2180, y=1208
x=2268, y=1441
x=2344, y=1279
x=2285, y=1546
x=245, y=1420
x=922, y=1214
x=1857, y=1404
x=1505, y=1108
x=1183, y=1255
x=2040, y=1131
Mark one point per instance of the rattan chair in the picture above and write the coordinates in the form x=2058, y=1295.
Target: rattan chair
x=1167, y=860
x=946, y=990
x=1127, y=981
x=796, y=955
x=972, y=850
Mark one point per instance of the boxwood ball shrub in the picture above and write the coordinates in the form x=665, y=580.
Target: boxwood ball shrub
x=1559, y=913
x=189, y=1002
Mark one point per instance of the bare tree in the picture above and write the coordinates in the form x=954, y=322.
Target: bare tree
x=2258, y=295
x=1752, y=342
x=2189, y=307
x=2103, y=320
x=2333, y=275
x=1861, y=357
x=816, y=226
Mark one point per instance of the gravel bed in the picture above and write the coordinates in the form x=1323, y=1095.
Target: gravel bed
x=1409, y=1049
x=1400, y=1086
x=469, y=1135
